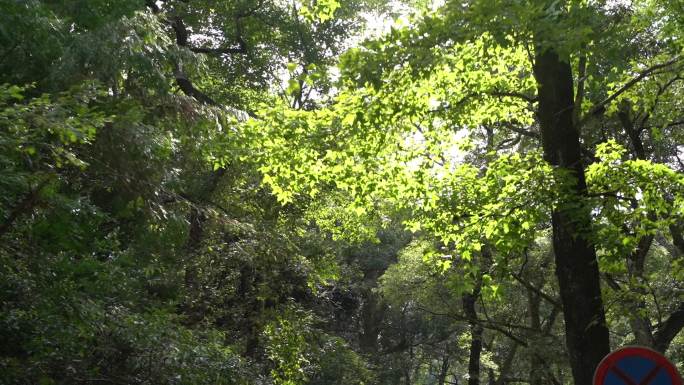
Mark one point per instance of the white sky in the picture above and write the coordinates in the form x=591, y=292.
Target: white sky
x=378, y=24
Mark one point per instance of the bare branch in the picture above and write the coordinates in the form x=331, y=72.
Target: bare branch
x=537, y=291
x=522, y=131
x=519, y=95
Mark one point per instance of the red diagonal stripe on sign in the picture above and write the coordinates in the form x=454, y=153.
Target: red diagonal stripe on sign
x=628, y=380
x=647, y=380
x=624, y=377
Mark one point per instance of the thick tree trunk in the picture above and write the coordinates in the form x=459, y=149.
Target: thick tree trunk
x=371, y=318
x=576, y=266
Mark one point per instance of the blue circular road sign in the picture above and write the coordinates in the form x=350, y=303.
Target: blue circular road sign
x=635, y=365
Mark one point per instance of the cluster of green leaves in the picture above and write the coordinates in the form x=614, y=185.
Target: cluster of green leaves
x=151, y=233
x=71, y=311
x=403, y=132
x=138, y=245
x=639, y=198
x=397, y=145
x=80, y=320
x=285, y=347
x=304, y=354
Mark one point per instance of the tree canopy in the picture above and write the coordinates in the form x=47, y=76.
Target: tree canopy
x=269, y=192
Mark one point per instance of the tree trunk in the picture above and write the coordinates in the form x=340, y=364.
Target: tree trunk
x=193, y=306
x=507, y=365
x=407, y=368
x=476, y=335
x=640, y=324
x=469, y=301
x=576, y=266
x=536, y=364
x=444, y=369
x=371, y=319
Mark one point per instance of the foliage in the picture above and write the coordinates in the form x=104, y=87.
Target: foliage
x=239, y=192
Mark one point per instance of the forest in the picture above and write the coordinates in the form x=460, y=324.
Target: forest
x=338, y=192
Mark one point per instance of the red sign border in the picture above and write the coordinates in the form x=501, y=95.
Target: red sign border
x=608, y=361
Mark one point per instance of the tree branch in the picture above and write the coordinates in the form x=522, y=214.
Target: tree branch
x=610, y=280
x=190, y=90
x=581, y=77
x=219, y=51
x=182, y=80
x=669, y=329
x=241, y=44
x=26, y=205
x=519, y=95
x=522, y=131
x=537, y=291
x=601, y=106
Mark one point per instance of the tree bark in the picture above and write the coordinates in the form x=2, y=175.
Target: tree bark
x=371, y=318
x=536, y=364
x=507, y=365
x=444, y=369
x=677, y=239
x=476, y=330
x=577, y=271
x=641, y=325
x=669, y=329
